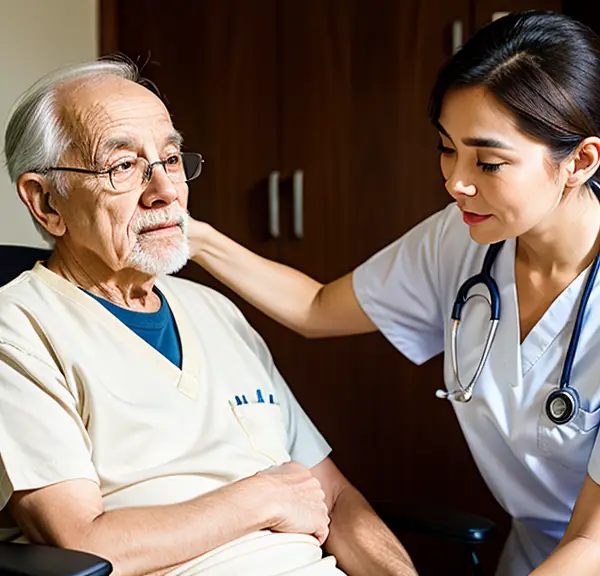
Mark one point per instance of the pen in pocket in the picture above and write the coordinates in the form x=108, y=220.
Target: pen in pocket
x=260, y=398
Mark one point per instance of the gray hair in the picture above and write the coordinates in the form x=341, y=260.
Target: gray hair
x=35, y=138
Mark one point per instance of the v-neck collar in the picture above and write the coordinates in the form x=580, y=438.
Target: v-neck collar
x=506, y=359
x=187, y=377
x=558, y=317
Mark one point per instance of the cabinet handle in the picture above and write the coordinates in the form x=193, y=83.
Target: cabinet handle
x=457, y=35
x=498, y=15
x=299, y=204
x=274, y=204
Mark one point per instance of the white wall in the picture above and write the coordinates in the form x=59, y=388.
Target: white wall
x=36, y=37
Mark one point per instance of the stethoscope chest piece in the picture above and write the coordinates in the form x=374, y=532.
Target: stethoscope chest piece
x=562, y=405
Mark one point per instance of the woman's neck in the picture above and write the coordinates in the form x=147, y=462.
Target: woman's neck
x=568, y=243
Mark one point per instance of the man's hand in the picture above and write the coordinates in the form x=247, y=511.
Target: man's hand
x=298, y=500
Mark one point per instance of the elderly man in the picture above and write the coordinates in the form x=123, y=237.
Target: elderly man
x=142, y=419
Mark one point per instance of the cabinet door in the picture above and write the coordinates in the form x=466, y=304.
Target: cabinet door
x=217, y=64
x=486, y=10
x=356, y=82
x=584, y=11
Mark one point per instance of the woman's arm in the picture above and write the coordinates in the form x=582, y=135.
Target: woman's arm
x=286, y=295
x=579, y=550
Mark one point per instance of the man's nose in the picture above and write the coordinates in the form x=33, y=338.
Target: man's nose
x=160, y=188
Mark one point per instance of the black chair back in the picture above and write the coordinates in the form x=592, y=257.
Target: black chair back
x=16, y=259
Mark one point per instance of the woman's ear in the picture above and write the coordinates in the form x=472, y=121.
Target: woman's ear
x=584, y=163
x=39, y=197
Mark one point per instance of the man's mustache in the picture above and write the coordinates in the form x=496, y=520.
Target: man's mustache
x=161, y=217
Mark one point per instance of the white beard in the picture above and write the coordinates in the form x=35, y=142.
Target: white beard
x=163, y=255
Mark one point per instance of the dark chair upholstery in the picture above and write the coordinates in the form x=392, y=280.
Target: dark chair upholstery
x=469, y=530
x=29, y=559
x=17, y=259
x=33, y=560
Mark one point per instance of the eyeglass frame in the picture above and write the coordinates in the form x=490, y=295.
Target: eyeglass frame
x=109, y=172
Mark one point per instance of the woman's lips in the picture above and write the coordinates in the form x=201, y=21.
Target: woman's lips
x=471, y=218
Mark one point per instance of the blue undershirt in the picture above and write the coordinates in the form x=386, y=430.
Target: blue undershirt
x=157, y=328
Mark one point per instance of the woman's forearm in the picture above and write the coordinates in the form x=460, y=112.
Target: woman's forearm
x=279, y=291
x=282, y=293
x=579, y=556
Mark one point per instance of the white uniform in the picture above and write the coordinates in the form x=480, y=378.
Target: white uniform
x=82, y=396
x=534, y=468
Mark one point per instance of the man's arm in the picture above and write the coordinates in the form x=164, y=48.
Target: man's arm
x=358, y=538
x=151, y=540
x=579, y=550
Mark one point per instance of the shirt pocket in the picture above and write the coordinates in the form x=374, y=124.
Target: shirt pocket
x=263, y=425
x=569, y=444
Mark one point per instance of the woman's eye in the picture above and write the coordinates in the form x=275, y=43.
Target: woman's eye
x=487, y=167
x=444, y=149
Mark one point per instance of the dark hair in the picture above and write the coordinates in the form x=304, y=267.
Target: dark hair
x=542, y=66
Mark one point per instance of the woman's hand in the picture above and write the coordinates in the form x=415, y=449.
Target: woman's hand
x=198, y=235
x=282, y=293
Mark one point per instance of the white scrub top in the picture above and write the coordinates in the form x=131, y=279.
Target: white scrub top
x=534, y=468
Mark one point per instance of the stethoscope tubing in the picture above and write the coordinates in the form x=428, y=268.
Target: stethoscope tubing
x=562, y=404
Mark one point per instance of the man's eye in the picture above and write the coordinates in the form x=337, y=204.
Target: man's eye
x=173, y=160
x=124, y=166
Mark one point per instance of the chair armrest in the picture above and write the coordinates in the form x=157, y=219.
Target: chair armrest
x=440, y=521
x=36, y=560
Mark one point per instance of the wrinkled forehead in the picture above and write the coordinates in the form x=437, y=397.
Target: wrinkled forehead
x=108, y=112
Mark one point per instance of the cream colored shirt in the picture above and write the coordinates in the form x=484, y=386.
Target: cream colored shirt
x=82, y=396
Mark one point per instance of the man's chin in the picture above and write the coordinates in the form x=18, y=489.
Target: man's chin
x=157, y=259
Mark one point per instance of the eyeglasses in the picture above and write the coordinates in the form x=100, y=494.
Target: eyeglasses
x=136, y=173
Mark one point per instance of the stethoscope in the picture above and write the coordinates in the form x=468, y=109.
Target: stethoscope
x=562, y=404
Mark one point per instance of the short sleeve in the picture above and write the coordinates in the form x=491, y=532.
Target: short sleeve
x=594, y=461
x=305, y=444
x=43, y=440
x=399, y=288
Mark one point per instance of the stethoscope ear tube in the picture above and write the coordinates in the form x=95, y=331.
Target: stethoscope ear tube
x=561, y=405
x=465, y=393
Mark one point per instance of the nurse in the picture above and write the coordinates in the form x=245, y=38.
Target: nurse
x=518, y=116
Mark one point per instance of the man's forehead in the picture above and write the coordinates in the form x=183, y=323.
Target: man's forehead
x=101, y=90
x=117, y=139
x=117, y=110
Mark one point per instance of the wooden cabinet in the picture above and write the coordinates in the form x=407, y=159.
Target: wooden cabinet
x=485, y=11
x=337, y=91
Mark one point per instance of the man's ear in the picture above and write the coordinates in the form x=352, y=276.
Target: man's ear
x=40, y=198
x=584, y=162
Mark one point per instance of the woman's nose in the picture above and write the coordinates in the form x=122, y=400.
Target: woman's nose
x=458, y=186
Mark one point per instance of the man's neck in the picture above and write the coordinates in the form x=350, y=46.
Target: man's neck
x=127, y=288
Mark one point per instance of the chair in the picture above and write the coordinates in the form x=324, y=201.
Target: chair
x=17, y=259
x=35, y=560
x=469, y=530
x=30, y=559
